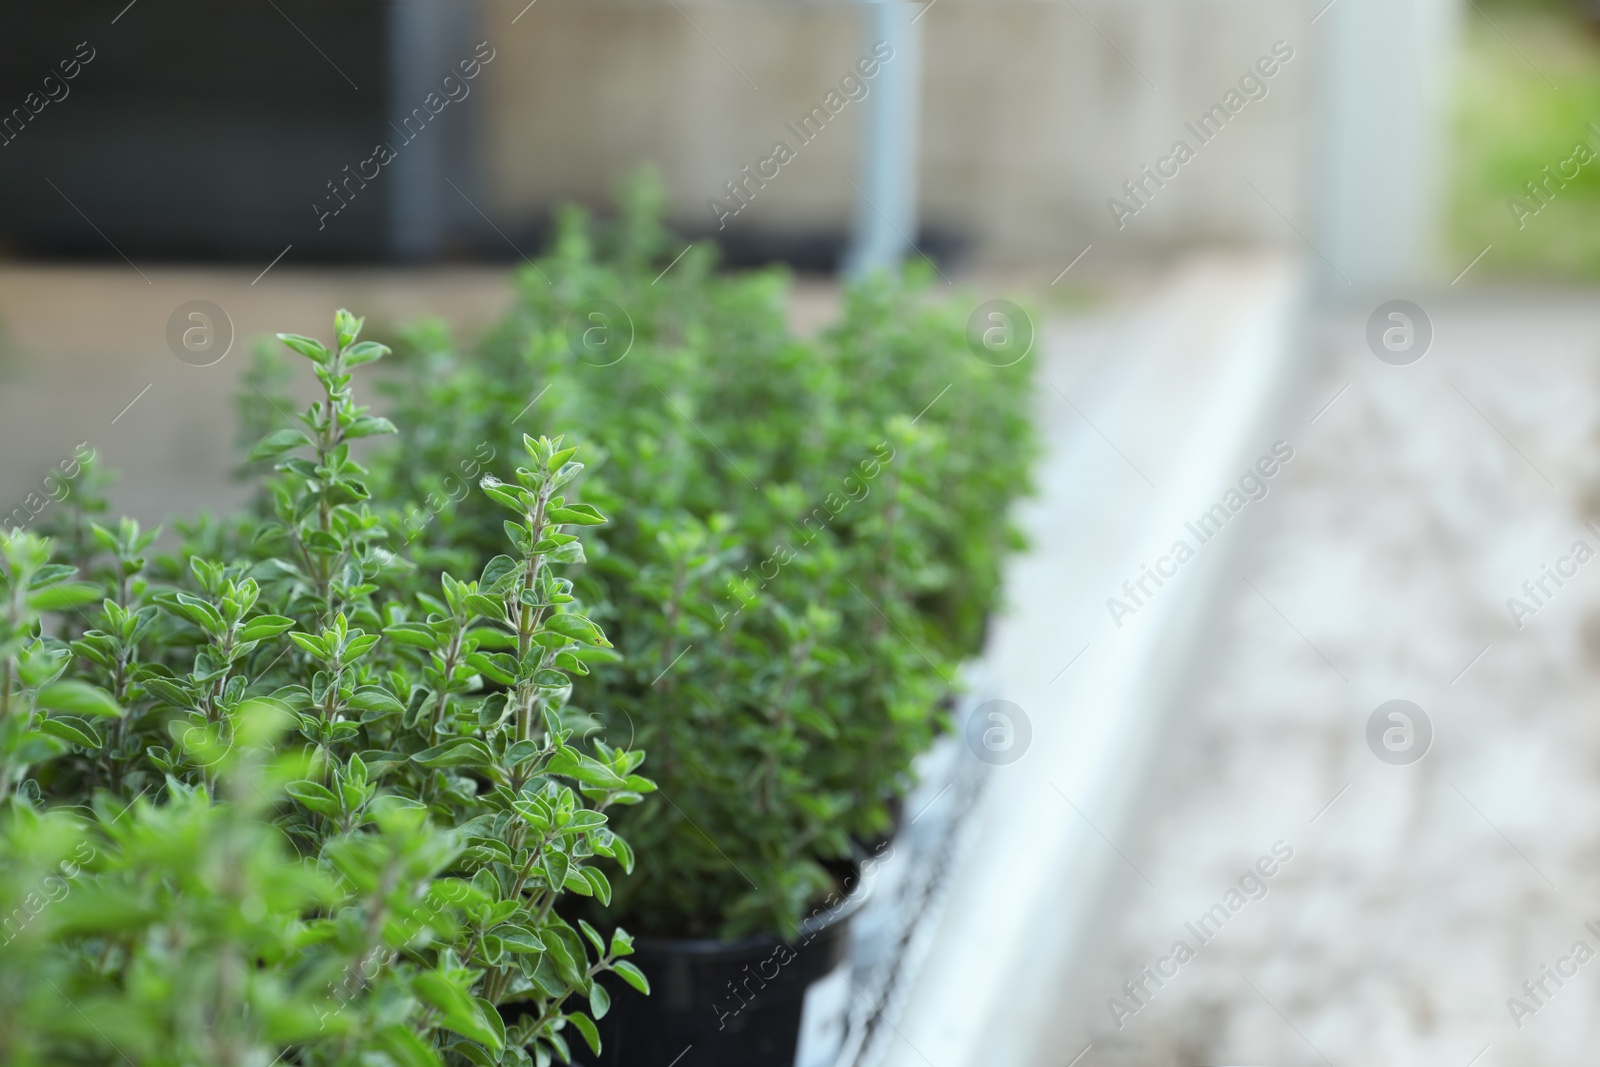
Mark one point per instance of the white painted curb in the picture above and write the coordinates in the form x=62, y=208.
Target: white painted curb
x=1194, y=384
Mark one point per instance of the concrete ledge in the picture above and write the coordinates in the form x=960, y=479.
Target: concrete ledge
x=1148, y=421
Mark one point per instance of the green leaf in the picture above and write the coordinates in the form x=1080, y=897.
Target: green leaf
x=623, y=853
x=358, y=645
x=376, y=698
x=35, y=747
x=79, y=733
x=368, y=426
x=365, y=352
x=497, y=570
x=346, y=327
x=278, y=442
x=457, y=752
x=200, y=613
x=598, y=884
x=317, y=797
x=311, y=644
x=576, y=515
x=309, y=347
x=632, y=975
x=518, y=534
x=576, y=627
x=64, y=595
x=323, y=543
x=569, y=553
x=524, y=942
x=406, y=1048
x=520, y=752
x=415, y=634
x=496, y=1023
x=550, y=679
x=77, y=698
x=556, y=866
x=502, y=494
x=570, y=763
x=264, y=626
x=473, y=1054
x=178, y=696
x=584, y=820
x=51, y=573
x=489, y=607
x=495, y=666
x=489, y=637
x=586, y=1027
x=558, y=952
x=459, y=1012
x=599, y=1001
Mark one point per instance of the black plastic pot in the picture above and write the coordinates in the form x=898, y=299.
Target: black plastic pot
x=753, y=1002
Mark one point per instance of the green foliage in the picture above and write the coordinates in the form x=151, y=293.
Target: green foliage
x=808, y=542
x=1528, y=90
x=279, y=798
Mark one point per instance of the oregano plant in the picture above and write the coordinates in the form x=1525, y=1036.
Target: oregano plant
x=326, y=805
x=807, y=541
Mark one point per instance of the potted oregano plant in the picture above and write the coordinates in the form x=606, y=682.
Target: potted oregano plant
x=288, y=795
x=811, y=543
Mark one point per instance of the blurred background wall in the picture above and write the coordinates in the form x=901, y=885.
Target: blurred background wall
x=1033, y=115
x=215, y=130
x=1388, y=145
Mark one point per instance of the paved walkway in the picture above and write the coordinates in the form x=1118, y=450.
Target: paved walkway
x=1418, y=897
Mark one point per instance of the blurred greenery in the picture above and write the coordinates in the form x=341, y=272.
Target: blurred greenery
x=1528, y=87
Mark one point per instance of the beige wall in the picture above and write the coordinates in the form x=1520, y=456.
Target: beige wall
x=1031, y=119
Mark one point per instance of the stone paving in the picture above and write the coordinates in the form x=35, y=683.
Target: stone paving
x=1418, y=897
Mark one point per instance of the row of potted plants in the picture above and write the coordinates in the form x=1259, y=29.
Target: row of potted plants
x=360, y=777
x=807, y=541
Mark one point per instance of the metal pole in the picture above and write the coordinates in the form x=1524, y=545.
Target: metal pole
x=886, y=191
x=416, y=62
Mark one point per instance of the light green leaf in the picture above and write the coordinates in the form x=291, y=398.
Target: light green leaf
x=586, y=1027
x=376, y=698
x=457, y=752
x=632, y=975
x=576, y=515
x=64, y=595
x=570, y=763
x=264, y=626
x=488, y=607
x=495, y=666
x=77, y=698
x=317, y=797
x=309, y=347
x=311, y=644
x=368, y=426
x=278, y=442
x=415, y=634
x=523, y=942
x=406, y=1048
x=79, y=733
x=459, y=1011
x=577, y=628
x=365, y=352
